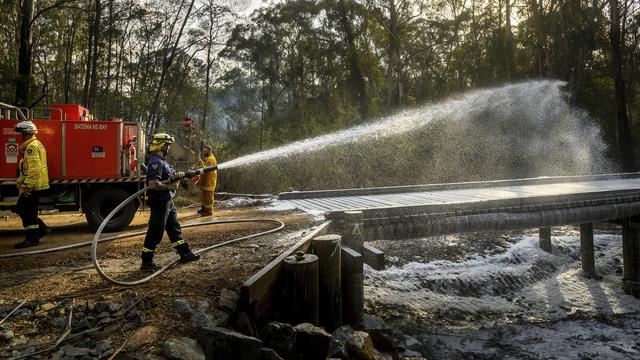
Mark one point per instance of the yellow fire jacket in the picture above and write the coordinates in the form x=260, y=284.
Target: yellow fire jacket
x=208, y=181
x=34, y=173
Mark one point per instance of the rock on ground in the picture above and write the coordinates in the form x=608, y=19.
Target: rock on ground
x=281, y=337
x=270, y=354
x=6, y=335
x=383, y=340
x=228, y=300
x=372, y=322
x=222, y=344
x=312, y=342
x=183, y=348
x=47, y=307
x=413, y=344
x=183, y=308
x=73, y=351
x=338, y=338
x=142, y=336
x=201, y=319
x=360, y=347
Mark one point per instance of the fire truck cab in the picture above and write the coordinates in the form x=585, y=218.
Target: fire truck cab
x=92, y=163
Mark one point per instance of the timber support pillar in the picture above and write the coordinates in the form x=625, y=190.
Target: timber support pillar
x=631, y=256
x=301, y=288
x=586, y=250
x=545, y=239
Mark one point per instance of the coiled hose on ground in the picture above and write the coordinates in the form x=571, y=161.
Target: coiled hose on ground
x=96, y=240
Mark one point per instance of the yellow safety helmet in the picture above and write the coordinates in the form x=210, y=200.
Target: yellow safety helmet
x=158, y=141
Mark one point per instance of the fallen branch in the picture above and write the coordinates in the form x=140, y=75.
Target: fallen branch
x=60, y=339
x=65, y=336
x=119, y=349
x=115, y=316
x=78, y=294
x=122, y=312
x=14, y=310
x=86, y=332
x=81, y=268
x=68, y=330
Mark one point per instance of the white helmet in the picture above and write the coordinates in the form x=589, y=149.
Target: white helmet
x=26, y=127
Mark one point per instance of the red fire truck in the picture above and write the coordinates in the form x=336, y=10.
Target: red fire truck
x=90, y=165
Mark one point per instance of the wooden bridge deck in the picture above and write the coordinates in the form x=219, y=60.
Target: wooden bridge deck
x=464, y=196
x=403, y=212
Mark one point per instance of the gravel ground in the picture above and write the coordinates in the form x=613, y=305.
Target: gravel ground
x=61, y=277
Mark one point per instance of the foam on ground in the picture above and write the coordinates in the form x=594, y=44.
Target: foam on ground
x=522, y=302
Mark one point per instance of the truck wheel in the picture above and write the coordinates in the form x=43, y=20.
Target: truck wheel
x=100, y=205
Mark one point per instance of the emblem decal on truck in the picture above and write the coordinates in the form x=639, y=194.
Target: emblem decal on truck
x=98, y=152
x=11, y=153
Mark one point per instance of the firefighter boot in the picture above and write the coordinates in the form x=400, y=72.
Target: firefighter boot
x=205, y=212
x=147, y=261
x=43, y=229
x=30, y=239
x=149, y=266
x=188, y=256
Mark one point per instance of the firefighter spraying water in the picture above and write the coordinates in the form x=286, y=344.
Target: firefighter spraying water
x=93, y=167
x=162, y=180
x=89, y=165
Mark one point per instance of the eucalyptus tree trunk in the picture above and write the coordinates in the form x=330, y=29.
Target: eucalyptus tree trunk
x=623, y=134
x=93, y=88
x=24, y=53
x=166, y=64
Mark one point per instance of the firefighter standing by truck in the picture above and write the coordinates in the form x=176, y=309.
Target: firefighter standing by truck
x=160, y=201
x=207, y=182
x=33, y=179
x=130, y=156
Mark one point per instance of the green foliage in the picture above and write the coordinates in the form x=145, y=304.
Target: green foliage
x=300, y=68
x=300, y=58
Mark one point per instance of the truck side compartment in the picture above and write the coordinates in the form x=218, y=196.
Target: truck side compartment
x=91, y=164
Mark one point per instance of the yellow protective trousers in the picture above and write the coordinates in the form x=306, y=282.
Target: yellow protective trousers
x=206, y=199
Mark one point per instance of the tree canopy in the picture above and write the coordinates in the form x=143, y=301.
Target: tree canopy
x=294, y=69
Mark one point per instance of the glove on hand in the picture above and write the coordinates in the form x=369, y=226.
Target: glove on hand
x=191, y=174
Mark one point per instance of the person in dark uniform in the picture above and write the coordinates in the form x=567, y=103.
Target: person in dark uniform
x=160, y=201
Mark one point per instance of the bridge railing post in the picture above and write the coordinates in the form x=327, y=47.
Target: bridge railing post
x=352, y=287
x=327, y=248
x=349, y=225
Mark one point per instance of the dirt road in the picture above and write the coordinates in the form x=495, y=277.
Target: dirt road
x=69, y=274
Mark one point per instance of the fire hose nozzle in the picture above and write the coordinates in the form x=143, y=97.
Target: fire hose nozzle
x=190, y=174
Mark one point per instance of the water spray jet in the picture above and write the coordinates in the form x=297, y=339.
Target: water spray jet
x=515, y=131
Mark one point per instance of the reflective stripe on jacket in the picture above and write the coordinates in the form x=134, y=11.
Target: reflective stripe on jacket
x=34, y=173
x=208, y=181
